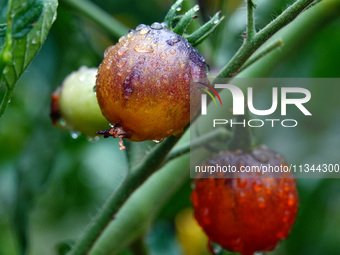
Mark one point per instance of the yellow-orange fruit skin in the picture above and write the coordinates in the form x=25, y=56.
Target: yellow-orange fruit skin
x=249, y=212
x=145, y=82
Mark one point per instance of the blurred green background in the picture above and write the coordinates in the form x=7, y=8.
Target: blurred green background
x=51, y=184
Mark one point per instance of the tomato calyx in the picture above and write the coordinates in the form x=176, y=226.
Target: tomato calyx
x=116, y=131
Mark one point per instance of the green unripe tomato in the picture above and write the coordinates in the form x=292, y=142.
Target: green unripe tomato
x=77, y=103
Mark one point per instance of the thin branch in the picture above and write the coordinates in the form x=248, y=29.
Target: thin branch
x=247, y=49
x=251, y=31
x=205, y=30
x=170, y=15
x=152, y=162
x=186, y=20
x=99, y=16
x=220, y=134
x=257, y=56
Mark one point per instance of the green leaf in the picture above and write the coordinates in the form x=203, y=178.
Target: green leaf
x=28, y=23
x=25, y=19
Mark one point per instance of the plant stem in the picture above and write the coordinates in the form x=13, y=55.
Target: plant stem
x=205, y=30
x=135, y=178
x=257, y=56
x=294, y=38
x=248, y=48
x=186, y=20
x=251, y=31
x=242, y=136
x=99, y=16
x=216, y=134
x=170, y=15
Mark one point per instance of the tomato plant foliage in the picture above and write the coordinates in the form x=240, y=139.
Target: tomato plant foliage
x=23, y=30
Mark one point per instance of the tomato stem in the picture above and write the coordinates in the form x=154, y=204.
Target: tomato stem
x=219, y=134
x=233, y=67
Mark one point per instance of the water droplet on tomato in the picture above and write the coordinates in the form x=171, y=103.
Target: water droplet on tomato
x=143, y=48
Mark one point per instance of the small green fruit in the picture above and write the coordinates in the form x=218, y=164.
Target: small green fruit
x=75, y=105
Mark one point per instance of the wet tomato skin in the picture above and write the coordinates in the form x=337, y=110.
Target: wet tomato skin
x=248, y=212
x=144, y=82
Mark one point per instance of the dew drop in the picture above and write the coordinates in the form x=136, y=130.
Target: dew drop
x=269, y=191
x=186, y=77
x=261, y=202
x=142, y=57
x=140, y=27
x=61, y=121
x=93, y=139
x=241, y=183
x=172, y=52
x=178, y=9
x=257, y=185
x=291, y=199
x=108, y=66
x=163, y=55
x=74, y=134
x=170, y=131
x=286, y=186
x=154, y=43
x=144, y=31
x=121, y=63
x=242, y=196
x=286, y=216
x=260, y=156
x=158, y=141
x=122, y=50
x=127, y=86
x=143, y=48
x=108, y=49
x=216, y=21
x=167, y=68
x=135, y=79
x=280, y=193
x=217, y=249
x=130, y=34
x=122, y=38
x=156, y=25
x=173, y=40
x=165, y=79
